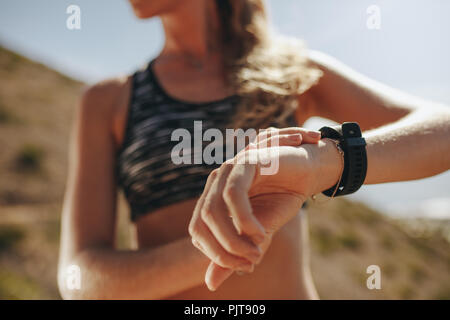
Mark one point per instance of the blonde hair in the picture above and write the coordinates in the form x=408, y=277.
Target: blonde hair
x=267, y=72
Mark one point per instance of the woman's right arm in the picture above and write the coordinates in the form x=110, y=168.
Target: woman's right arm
x=88, y=220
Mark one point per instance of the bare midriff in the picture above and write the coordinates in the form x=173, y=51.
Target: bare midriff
x=282, y=274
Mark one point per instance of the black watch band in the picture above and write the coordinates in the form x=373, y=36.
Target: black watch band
x=350, y=139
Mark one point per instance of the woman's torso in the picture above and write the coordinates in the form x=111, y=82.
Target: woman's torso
x=281, y=274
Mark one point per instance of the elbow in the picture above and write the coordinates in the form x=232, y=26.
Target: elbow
x=75, y=282
x=79, y=294
x=67, y=291
x=71, y=285
x=67, y=294
x=437, y=109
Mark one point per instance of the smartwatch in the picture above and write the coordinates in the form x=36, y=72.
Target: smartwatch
x=349, y=138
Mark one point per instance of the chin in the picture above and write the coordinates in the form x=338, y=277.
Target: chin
x=144, y=9
x=142, y=14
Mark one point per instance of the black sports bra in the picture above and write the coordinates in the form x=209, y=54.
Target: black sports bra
x=144, y=167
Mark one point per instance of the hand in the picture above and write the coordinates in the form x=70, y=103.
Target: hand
x=230, y=243
x=258, y=204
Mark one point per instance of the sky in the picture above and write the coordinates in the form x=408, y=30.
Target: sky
x=410, y=51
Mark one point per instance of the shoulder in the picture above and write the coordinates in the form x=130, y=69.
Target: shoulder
x=334, y=69
x=102, y=96
x=331, y=72
x=101, y=103
x=321, y=59
x=338, y=79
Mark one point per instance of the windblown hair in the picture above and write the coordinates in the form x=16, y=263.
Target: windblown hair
x=268, y=72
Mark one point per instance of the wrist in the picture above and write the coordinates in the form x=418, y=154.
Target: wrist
x=329, y=165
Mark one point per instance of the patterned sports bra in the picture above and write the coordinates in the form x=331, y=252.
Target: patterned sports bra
x=144, y=167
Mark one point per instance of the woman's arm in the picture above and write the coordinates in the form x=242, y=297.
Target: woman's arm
x=418, y=146
x=274, y=199
x=411, y=141
x=408, y=137
x=88, y=220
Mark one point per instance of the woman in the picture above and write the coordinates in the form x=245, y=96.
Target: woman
x=219, y=65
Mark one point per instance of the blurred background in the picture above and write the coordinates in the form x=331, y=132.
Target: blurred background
x=402, y=227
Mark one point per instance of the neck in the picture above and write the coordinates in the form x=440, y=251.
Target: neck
x=191, y=32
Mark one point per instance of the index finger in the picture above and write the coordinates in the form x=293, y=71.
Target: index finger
x=309, y=136
x=236, y=198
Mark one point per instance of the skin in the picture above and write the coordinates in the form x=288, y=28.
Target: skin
x=413, y=147
x=167, y=264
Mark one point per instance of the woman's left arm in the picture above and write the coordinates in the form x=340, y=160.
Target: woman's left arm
x=407, y=137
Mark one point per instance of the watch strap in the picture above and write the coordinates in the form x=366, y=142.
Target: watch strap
x=353, y=144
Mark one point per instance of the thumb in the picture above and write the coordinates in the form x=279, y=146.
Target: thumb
x=216, y=275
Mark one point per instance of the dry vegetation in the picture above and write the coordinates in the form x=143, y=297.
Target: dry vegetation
x=36, y=110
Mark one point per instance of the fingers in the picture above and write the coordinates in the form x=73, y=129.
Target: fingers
x=216, y=275
x=308, y=136
x=196, y=214
x=235, y=195
x=227, y=241
x=203, y=239
x=280, y=140
x=216, y=217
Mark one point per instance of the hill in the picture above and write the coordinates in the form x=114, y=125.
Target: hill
x=36, y=111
